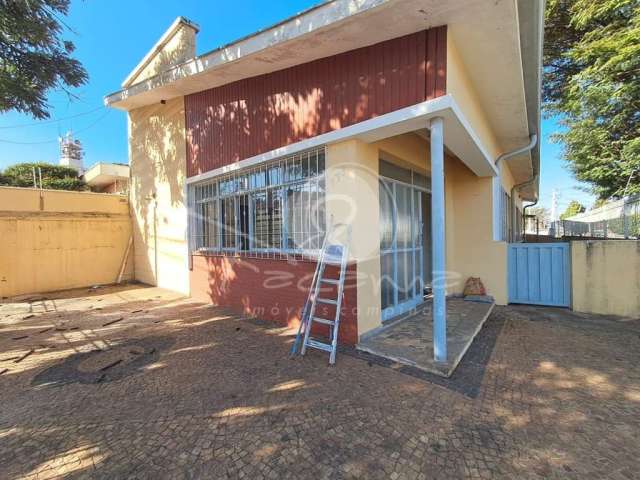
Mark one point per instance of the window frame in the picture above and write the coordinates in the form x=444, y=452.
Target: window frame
x=304, y=171
x=507, y=209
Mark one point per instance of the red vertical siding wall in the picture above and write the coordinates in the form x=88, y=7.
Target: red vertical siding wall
x=255, y=115
x=271, y=289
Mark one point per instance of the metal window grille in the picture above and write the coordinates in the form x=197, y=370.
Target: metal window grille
x=517, y=231
x=275, y=209
x=506, y=216
x=510, y=219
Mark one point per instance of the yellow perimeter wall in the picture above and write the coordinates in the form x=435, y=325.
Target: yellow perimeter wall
x=54, y=240
x=606, y=277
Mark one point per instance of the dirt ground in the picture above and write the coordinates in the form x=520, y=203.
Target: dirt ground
x=136, y=382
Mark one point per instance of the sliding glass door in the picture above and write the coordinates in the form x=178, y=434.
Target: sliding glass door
x=402, y=246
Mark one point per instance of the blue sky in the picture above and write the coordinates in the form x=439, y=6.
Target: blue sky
x=555, y=175
x=111, y=38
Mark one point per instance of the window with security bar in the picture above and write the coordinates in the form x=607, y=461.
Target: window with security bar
x=274, y=208
x=506, y=213
x=511, y=218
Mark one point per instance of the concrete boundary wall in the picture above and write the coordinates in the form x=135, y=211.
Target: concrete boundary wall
x=54, y=240
x=606, y=277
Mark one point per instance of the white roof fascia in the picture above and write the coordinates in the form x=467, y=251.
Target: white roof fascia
x=302, y=24
x=159, y=45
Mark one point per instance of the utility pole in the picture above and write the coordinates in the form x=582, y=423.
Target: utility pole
x=554, y=213
x=554, y=205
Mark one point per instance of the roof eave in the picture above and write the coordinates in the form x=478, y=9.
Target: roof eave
x=316, y=18
x=531, y=19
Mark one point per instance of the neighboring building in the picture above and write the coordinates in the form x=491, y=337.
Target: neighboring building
x=108, y=178
x=388, y=115
x=71, y=153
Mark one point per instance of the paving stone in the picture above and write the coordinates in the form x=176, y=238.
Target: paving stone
x=544, y=393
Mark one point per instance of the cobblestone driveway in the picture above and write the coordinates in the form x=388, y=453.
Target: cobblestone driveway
x=137, y=383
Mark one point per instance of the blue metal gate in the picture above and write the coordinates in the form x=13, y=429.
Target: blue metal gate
x=540, y=273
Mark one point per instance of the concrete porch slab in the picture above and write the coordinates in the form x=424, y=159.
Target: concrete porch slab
x=409, y=338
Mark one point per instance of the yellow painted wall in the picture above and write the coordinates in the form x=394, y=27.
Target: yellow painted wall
x=54, y=240
x=178, y=49
x=606, y=277
x=507, y=179
x=412, y=151
x=352, y=194
x=471, y=251
x=408, y=150
x=15, y=199
x=157, y=150
x=352, y=197
x=460, y=86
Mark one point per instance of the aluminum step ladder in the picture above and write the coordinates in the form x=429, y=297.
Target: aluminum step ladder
x=335, y=252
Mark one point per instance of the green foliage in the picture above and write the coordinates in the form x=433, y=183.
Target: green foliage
x=33, y=57
x=600, y=202
x=592, y=81
x=54, y=177
x=67, y=183
x=573, y=208
x=632, y=222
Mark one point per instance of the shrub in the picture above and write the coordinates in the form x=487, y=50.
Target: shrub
x=55, y=177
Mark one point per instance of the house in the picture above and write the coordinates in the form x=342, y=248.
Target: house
x=108, y=177
x=414, y=121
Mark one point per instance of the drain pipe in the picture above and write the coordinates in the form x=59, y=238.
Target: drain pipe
x=518, y=187
x=534, y=176
x=524, y=217
x=497, y=233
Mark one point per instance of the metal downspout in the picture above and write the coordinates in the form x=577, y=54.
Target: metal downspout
x=524, y=217
x=534, y=176
x=533, y=140
x=524, y=184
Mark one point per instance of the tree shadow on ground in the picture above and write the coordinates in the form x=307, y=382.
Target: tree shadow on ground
x=223, y=398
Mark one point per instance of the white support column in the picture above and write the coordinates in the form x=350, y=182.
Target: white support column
x=438, y=241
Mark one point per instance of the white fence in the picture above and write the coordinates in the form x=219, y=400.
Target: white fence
x=616, y=220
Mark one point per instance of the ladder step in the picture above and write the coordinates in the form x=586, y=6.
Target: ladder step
x=324, y=321
x=326, y=300
x=319, y=345
x=335, y=255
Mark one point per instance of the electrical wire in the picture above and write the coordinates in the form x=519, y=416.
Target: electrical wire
x=47, y=122
x=98, y=120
